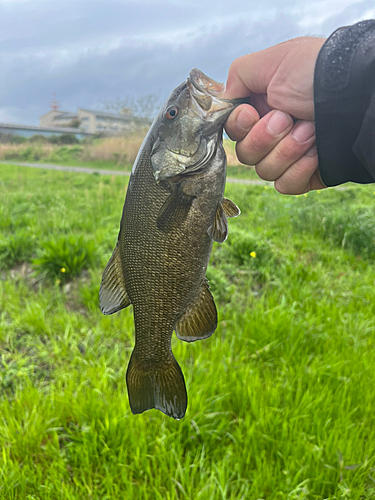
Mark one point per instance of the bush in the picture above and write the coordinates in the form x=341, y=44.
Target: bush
x=17, y=139
x=16, y=248
x=352, y=229
x=246, y=248
x=38, y=138
x=244, y=261
x=11, y=139
x=64, y=258
x=66, y=153
x=63, y=139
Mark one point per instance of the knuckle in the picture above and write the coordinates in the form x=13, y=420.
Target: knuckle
x=283, y=188
x=305, y=166
x=264, y=172
x=234, y=69
x=244, y=156
x=230, y=129
x=288, y=150
x=255, y=145
x=250, y=150
x=274, y=100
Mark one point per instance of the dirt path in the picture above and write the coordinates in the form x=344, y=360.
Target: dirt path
x=86, y=170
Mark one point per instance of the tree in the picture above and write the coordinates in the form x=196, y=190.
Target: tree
x=145, y=106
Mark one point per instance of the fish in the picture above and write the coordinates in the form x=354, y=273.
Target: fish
x=174, y=210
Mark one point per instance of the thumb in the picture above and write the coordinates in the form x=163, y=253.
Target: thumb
x=250, y=74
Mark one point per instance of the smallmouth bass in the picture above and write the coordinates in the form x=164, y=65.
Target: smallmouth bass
x=174, y=210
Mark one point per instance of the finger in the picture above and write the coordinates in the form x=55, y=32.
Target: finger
x=241, y=121
x=292, y=147
x=263, y=137
x=316, y=182
x=250, y=73
x=259, y=102
x=301, y=177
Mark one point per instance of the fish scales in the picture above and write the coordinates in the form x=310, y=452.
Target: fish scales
x=174, y=209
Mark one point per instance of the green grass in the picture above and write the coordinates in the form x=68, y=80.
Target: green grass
x=73, y=162
x=281, y=397
x=238, y=171
x=72, y=156
x=66, y=155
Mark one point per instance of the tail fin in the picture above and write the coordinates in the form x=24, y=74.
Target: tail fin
x=159, y=386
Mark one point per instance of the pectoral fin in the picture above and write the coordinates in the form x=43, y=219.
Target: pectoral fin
x=230, y=208
x=174, y=211
x=200, y=319
x=112, y=294
x=219, y=229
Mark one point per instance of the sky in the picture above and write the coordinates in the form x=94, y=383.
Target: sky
x=91, y=52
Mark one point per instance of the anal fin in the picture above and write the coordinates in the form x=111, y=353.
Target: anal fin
x=200, y=319
x=112, y=295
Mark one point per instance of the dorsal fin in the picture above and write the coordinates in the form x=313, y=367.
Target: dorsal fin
x=112, y=295
x=200, y=319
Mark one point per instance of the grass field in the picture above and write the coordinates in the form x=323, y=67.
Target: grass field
x=113, y=153
x=281, y=397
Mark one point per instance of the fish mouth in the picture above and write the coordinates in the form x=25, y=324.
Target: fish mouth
x=207, y=94
x=205, y=112
x=205, y=84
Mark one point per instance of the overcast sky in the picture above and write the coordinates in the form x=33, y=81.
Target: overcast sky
x=93, y=51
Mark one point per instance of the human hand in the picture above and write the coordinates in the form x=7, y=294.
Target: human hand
x=279, y=83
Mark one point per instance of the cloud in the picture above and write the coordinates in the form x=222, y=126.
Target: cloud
x=89, y=52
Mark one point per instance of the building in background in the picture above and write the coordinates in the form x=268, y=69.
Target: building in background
x=94, y=122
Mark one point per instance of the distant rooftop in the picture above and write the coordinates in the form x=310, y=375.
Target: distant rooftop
x=67, y=115
x=95, y=121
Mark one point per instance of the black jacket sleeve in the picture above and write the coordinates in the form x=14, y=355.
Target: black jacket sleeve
x=344, y=97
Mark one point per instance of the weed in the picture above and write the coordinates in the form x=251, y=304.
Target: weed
x=281, y=396
x=351, y=228
x=64, y=258
x=16, y=248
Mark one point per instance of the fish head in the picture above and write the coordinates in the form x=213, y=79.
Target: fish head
x=189, y=126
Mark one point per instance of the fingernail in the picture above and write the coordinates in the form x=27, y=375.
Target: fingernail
x=245, y=120
x=303, y=131
x=312, y=151
x=278, y=122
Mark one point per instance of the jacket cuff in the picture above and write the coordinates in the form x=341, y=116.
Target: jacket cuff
x=344, y=98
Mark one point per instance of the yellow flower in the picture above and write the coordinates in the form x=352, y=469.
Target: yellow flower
x=253, y=255
x=265, y=187
x=320, y=191
x=63, y=270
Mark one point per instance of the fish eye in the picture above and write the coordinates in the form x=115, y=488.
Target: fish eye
x=171, y=112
